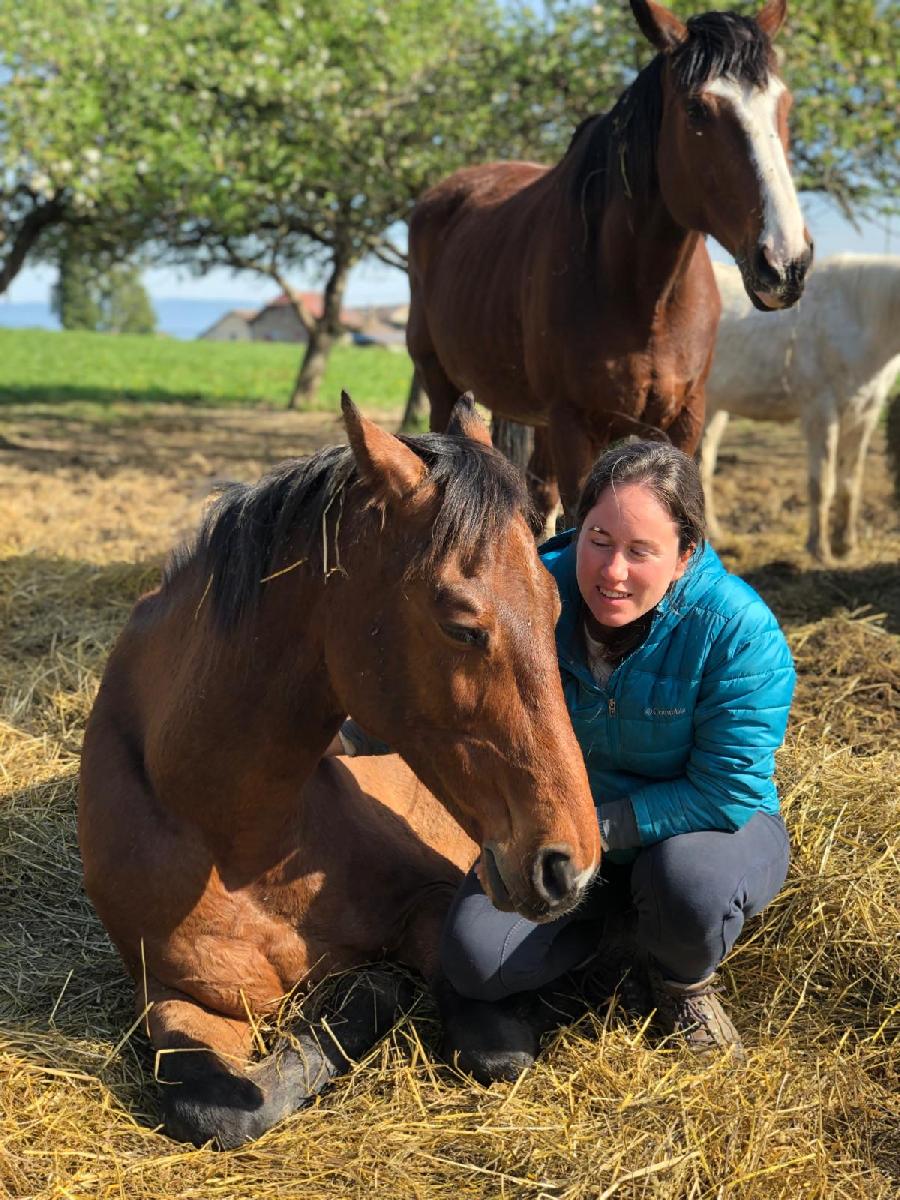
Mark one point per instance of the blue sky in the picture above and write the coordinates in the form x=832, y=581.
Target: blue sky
x=373, y=283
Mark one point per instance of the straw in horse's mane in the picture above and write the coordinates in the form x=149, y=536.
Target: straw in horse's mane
x=617, y=149
x=250, y=525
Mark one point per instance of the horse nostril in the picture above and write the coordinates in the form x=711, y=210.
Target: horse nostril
x=766, y=272
x=554, y=876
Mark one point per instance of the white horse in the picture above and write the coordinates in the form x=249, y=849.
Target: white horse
x=830, y=360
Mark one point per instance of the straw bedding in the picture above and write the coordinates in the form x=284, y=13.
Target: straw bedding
x=813, y=984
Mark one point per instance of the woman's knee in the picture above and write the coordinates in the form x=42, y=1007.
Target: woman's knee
x=472, y=968
x=694, y=882
x=682, y=892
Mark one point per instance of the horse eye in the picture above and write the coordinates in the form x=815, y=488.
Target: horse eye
x=697, y=111
x=467, y=635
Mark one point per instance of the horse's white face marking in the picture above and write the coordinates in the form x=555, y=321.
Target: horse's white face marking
x=756, y=109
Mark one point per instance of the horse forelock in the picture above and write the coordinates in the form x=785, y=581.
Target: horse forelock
x=479, y=492
x=722, y=45
x=302, y=505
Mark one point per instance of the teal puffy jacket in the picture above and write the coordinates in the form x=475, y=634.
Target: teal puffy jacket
x=688, y=724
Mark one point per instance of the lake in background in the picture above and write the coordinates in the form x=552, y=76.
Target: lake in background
x=184, y=319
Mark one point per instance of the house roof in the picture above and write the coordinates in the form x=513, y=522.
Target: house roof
x=314, y=301
x=243, y=314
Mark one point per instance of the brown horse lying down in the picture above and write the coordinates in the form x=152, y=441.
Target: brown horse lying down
x=394, y=578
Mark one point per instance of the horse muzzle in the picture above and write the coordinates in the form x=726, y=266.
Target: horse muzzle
x=773, y=285
x=543, y=890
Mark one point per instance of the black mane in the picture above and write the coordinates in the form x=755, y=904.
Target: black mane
x=618, y=148
x=248, y=529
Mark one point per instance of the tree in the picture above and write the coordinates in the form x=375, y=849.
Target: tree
x=126, y=305
x=84, y=145
x=93, y=291
x=74, y=297
x=308, y=140
x=270, y=137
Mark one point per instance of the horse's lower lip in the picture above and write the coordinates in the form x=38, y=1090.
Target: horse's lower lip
x=769, y=299
x=499, y=891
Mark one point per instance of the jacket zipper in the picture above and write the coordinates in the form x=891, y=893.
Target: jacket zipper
x=611, y=707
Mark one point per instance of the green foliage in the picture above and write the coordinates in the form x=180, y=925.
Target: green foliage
x=74, y=298
x=95, y=293
x=126, y=305
x=100, y=377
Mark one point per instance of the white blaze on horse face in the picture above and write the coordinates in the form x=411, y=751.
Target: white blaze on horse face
x=783, y=236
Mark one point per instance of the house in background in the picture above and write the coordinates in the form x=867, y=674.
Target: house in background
x=374, y=325
x=380, y=325
x=233, y=326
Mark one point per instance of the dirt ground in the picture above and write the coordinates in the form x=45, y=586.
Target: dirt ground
x=88, y=513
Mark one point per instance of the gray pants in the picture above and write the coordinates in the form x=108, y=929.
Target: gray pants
x=691, y=895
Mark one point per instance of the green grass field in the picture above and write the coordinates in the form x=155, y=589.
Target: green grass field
x=99, y=377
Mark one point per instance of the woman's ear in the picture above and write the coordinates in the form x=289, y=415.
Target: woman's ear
x=681, y=565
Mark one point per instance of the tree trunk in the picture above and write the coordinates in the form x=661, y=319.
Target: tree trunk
x=415, y=415
x=515, y=441
x=26, y=236
x=322, y=337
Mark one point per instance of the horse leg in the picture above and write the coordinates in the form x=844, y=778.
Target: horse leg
x=822, y=440
x=856, y=432
x=542, y=485
x=442, y=391
x=686, y=430
x=573, y=453
x=211, y=1090
x=709, y=453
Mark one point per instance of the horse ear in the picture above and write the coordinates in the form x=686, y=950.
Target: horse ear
x=771, y=19
x=465, y=421
x=390, y=469
x=659, y=26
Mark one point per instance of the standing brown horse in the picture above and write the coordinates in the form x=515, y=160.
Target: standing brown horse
x=581, y=298
x=394, y=578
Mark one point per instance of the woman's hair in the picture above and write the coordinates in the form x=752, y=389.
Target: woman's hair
x=668, y=473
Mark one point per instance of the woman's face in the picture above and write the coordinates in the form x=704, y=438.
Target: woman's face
x=627, y=554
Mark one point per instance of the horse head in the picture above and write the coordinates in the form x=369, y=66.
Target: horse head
x=723, y=143
x=441, y=643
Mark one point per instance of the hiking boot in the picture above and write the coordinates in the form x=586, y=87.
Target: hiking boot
x=694, y=1011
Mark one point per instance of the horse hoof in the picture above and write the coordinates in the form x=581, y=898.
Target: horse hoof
x=488, y=1067
x=488, y=1042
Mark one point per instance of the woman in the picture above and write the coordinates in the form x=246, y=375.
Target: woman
x=678, y=681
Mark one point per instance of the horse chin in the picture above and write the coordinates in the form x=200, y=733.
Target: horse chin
x=765, y=301
x=503, y=899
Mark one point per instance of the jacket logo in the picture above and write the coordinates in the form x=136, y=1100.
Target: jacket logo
x=664, y=712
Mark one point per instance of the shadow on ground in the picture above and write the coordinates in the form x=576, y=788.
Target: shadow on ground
x=803, y=596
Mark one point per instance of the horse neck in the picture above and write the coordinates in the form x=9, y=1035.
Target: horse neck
x=250, y=717
x=615, y=210
x=642, y=256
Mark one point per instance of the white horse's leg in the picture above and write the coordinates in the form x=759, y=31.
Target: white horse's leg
x=857, y=427
x=821, y=431
x=709, y=453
